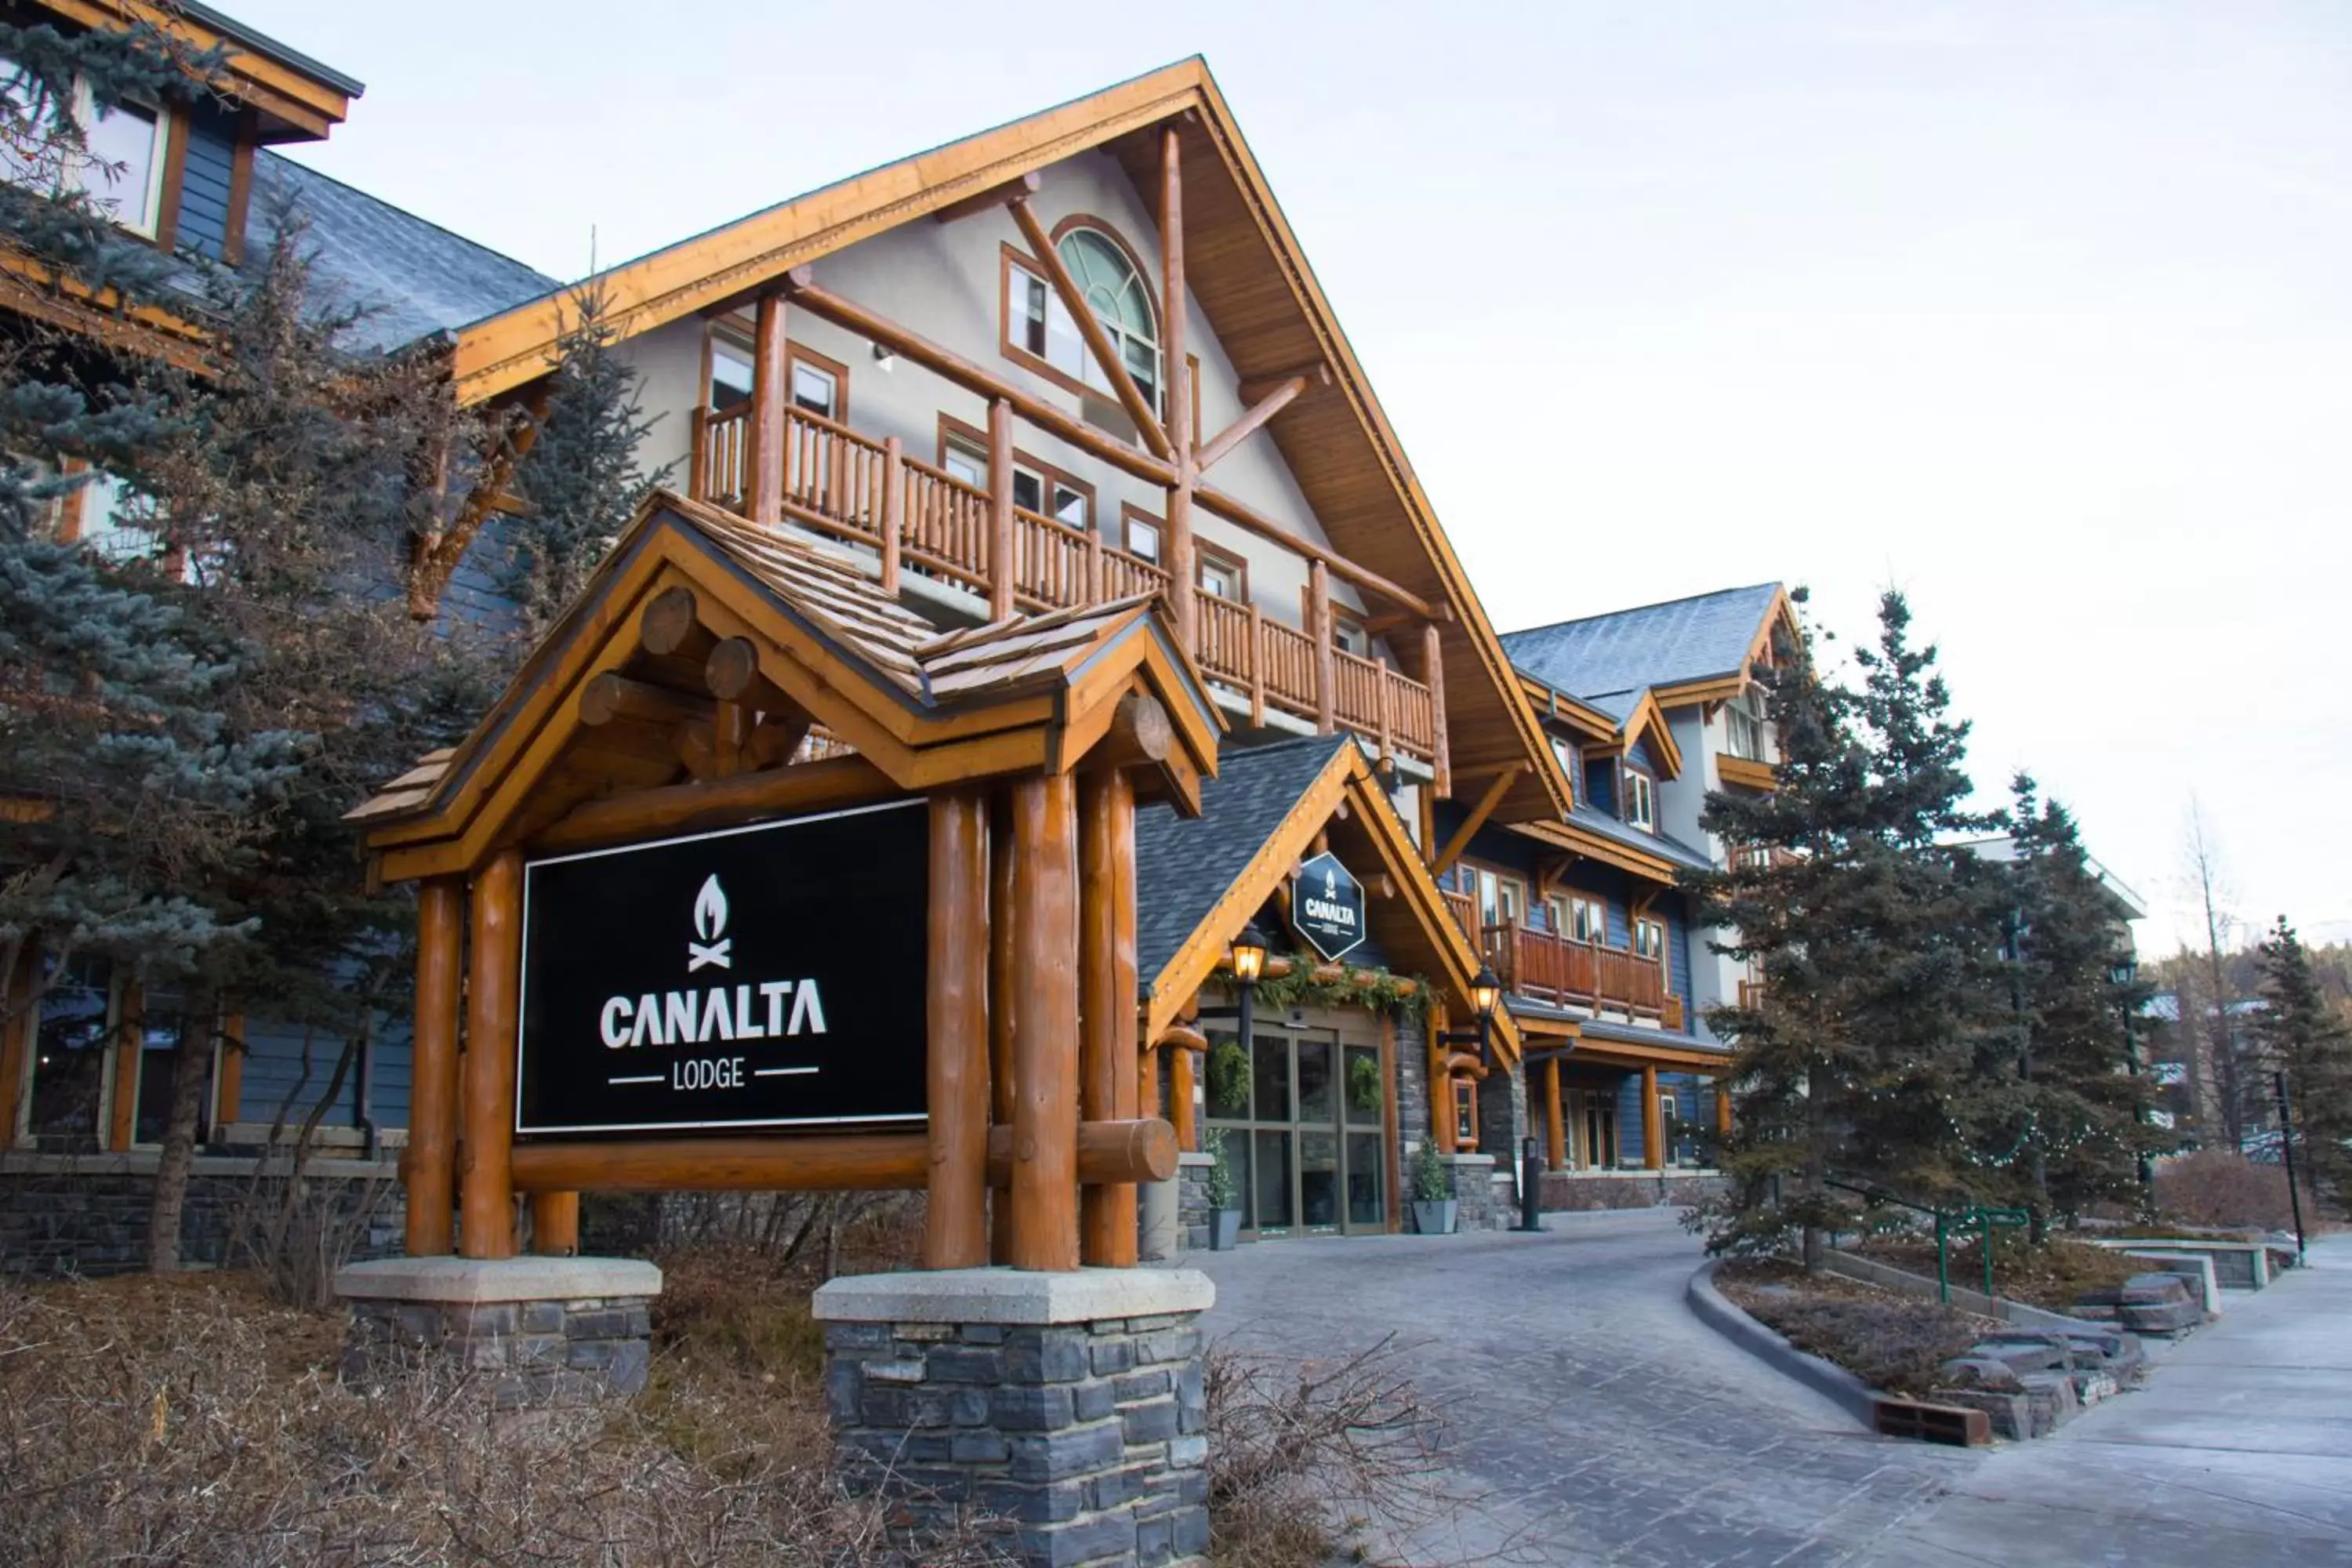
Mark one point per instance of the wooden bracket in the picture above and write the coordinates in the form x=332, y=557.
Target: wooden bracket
x=1479, y=813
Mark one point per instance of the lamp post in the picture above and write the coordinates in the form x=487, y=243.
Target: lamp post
x=2124, y=973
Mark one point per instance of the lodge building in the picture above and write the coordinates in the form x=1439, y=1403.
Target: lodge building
x=1072, y=363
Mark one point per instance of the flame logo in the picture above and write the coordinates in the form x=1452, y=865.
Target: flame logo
x=709, y=920
x=709, y=909
x=1330, y=883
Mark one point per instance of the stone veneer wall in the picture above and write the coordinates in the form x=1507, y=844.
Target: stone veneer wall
x=1192, y=1201
x=1089, y=1437
x=533, y=1353
x=1475, y=1188
x=88, y=1216
x=1412, y=1093
x=1570, y=1190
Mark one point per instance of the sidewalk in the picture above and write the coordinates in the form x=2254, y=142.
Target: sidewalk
x=2237, y=1452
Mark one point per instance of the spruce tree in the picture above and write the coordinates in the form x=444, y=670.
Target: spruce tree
x=2078, y=1120
x=1875, y=933
x=2299, y=1032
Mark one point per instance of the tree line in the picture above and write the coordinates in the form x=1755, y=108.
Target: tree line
x=1949, y=1016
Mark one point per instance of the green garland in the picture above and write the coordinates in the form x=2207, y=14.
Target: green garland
x=1380, y=992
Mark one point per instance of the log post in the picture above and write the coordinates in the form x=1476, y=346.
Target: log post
x=486, y=1182
x=894, y=509
x=955, y=1219
x=1004, y=1002
x=1002, y=548
x=1180, y=1092
x=1107, y=962
x=1043, y=1234
x=1555, y=1124
x=1654, y=1125
x=1441, y=1082
x=1176, y=376
x=1318, y=628
x=555, y=1224
x=430, y=1169
x=1257, y=664
x=764, y=454
x=1432, y=671
x=1722, y=1108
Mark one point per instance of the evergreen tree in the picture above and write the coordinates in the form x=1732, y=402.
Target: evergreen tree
x=2298, y=1032
x=1874, y=934
x=580, y=478
x=2080, y=1111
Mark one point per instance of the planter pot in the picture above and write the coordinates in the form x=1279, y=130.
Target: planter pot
x=1224, y=1229
x=1433, y=1218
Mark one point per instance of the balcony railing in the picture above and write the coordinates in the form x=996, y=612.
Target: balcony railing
x=1545, y=967
x=839, y=483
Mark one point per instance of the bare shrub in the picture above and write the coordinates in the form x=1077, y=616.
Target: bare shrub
x=2223, y=1188
x=192, y=1421
x=1306, y=1458
x=1896, y=1344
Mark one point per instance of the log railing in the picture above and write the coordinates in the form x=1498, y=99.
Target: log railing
x=1545, y=967
x=838, y=482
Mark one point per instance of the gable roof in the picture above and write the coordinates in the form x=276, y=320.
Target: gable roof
x=1682, y=643
x=920, y=709
x=1256, y=293
x=1198, y=882
x=411, y=277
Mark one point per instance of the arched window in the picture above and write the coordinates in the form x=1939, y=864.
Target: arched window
x=1040, y=332
x=1114, y=292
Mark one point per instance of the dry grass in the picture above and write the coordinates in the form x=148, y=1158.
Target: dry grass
x=2220, y=1188
x=1893, y=1341
x=2052, y=1276
x=191, y=1422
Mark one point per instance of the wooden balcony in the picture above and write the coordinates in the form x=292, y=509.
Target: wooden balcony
x=1544, y=967
x=922, y=520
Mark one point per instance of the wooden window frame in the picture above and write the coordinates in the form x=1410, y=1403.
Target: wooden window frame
x=1204, y=552
x=1130, y=514
x=954, y=431
x=1471, y=870
x=1010, y=256
x=1650, y=923
x=797, y=354
x=1627, y=776
x=1578, y=902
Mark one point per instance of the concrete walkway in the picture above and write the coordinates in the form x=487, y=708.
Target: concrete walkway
x=1602, y=1423
x=2238, y=1452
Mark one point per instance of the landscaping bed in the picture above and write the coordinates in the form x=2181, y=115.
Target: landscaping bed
x=1895, y=1342
x=2052, y=1276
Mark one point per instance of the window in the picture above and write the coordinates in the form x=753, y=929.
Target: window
x=816, y=389
x=1036, y=487
x=1348, y=635
x=121, y=164
x=1466, y=1115
x=1142, y=536
x=817, y=385
x=1039, y=330
x=1502, y=898
x=1566, y=756
x=1223, y=576
x=1744, y=727
x=1650, y=939
x=69, y=1055
x=730, y=376
x=1588, y=919
x=1641, y=805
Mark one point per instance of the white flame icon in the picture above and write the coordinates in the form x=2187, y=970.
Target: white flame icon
x=1330, y=883
x=709, y=920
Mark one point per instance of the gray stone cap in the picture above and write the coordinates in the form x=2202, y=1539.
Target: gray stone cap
x=481, y=1279
x=1012, y=1296
x=1194, y=1159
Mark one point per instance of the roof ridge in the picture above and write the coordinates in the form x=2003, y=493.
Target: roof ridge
x=1636, y=609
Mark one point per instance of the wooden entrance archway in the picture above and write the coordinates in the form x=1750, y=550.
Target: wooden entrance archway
x=677, y=695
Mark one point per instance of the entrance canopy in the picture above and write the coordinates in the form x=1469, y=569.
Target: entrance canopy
x=686, y=677
x=1200, y=881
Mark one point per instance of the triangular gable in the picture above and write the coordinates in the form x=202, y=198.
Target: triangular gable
x=916, y=707
x=1204, y=880
x=1255, y=290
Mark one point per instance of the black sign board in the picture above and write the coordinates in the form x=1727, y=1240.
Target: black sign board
x=1327, y=906
x=763, y=976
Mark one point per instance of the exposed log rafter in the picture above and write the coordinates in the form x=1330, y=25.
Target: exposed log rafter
x=1073, y=300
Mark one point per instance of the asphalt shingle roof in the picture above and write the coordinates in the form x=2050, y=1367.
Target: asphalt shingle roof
x=1182, y=868
x=1658, y=645
x=413, y=277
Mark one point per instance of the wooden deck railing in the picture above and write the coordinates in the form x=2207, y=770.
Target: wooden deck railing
x=1545, y=967
x=838, y=483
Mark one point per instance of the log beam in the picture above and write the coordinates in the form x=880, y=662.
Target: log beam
x=680, y=808
x=1130, y=397
x=1177, y=376
x=989, y=200
x=671, y=625
x=609, y=698
x=764, y=449
x=486, y=1177
x=1479, y=813
x=429, y=1170
x=1143, y=1150
x=1044, y=1225
x=955, y=1219
x=1248, y=425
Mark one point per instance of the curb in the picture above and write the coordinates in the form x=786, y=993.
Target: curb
x=1713, y=1309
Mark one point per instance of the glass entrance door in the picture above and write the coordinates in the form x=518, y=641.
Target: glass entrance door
x=1302, y=1118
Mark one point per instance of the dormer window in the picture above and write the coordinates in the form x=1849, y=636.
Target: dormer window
x=121, y=164
x=1744, y=727
x=1641, y=803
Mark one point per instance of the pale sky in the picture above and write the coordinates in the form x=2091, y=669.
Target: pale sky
x=2039, y=311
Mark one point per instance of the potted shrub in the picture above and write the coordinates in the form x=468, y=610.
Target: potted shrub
x=1434, y=1207
x=1224, y=1202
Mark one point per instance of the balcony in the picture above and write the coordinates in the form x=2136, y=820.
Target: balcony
x=1545, y=967
x=920, y=520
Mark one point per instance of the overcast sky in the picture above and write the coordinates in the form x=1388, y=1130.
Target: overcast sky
x=2041, y=312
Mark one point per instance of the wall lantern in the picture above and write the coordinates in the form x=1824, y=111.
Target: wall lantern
x=1249, y=956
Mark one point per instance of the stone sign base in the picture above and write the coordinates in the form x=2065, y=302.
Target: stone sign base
x=541, y=1331
x=1069, y=1405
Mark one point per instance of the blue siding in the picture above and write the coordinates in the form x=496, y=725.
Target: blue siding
x=1679, y=956
x=1631, y=1148
x=1600, y=783
x=274, y=1084
x=205, y=179
x=1638, y=753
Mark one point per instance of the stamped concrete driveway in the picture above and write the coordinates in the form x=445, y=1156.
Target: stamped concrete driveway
x=1604, y=1424
x=1602, y=1421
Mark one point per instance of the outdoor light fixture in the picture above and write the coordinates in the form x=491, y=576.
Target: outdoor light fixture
x=1485, y=991
x=883, y=357
x=2124, y=971
x=1249, y=956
